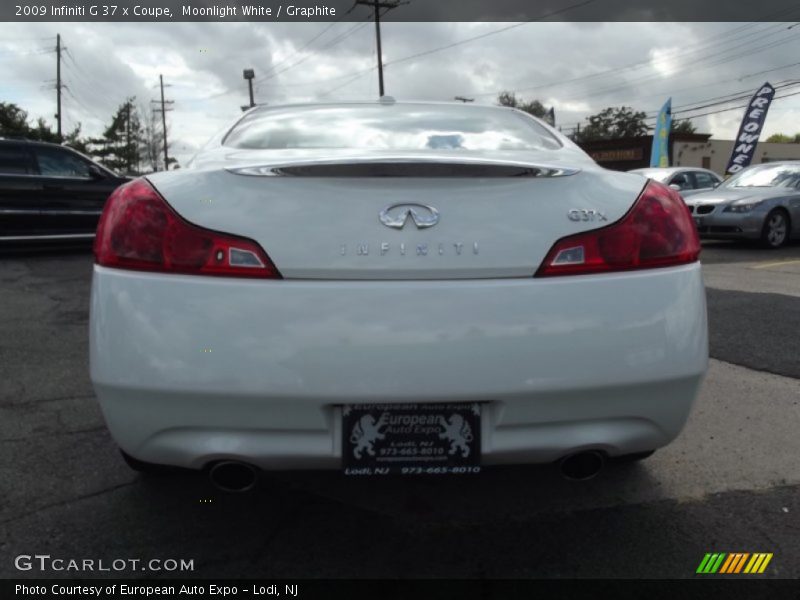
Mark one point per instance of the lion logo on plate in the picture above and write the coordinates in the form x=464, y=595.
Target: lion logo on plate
x=366, y=432
x=458, y=432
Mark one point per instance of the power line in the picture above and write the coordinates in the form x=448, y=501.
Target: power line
x=691, y=109
x=330, y=44
x=748, y=52
x=356, y=74
x=485, y=35
x=630, y=66
x=311, y=41
x=714, y=112
x=698, y=65
x=86, y=79
x=672, y=91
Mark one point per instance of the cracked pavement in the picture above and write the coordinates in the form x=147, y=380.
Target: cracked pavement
x=729, y=483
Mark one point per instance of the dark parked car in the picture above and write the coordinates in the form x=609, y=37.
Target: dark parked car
x=50, y=192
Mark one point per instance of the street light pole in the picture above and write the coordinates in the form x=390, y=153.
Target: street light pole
x=249, y=75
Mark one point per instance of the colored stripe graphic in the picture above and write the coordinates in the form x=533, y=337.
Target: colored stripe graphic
x=734, y=563
x=759, y=568
x=727, y=564
x=711, y=563
x=740, y=563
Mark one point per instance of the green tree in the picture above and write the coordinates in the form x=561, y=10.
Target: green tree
x=13, y=120
x=42, y=132
x=121, y=144
x=682, y=126
x=14, y=123
x=782, y=138
x=74, y=140
x=613, y=122
x=533, y=107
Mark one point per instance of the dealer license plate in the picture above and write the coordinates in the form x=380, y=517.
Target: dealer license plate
x=411, y=439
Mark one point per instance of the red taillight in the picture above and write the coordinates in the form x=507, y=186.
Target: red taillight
x=657, y=232
x=139, y=230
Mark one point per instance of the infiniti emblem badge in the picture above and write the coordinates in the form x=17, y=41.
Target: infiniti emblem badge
x=397, y=215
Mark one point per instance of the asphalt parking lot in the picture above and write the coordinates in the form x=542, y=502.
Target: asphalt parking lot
x=730, y=483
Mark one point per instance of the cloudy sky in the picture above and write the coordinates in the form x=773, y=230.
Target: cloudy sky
x=579, y=68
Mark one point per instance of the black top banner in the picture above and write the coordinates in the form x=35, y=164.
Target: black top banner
x=746, y=140
x=401, y=10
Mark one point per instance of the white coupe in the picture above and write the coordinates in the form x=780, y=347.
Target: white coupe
x=394, y=288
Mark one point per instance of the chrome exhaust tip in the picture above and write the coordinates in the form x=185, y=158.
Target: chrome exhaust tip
x=582, y=466
x=233, y=476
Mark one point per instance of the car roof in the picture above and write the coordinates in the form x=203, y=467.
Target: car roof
x=670, y=169
x=28, y=142
x=776, y=162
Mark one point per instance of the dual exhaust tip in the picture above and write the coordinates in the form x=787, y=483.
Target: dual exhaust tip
x=582, y=465
x=234, y=476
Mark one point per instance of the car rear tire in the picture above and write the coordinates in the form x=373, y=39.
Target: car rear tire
x=775, y=232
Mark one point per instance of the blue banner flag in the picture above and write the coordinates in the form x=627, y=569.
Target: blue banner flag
x=744, y=147
x=659, y=155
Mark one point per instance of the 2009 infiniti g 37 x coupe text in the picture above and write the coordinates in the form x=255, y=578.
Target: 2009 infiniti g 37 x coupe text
x=394, y=288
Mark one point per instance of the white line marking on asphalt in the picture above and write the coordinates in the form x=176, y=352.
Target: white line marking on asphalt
x=776, y=264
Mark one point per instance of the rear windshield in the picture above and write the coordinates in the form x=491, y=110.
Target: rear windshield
x=390, y=127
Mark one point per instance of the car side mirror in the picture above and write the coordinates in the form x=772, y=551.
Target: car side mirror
x=96, y=172
x=716, y=185
x=675, y=187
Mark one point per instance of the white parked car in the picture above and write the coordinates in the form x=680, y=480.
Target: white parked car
x=394, y=288
x=687, y=180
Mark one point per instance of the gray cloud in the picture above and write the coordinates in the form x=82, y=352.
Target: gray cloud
x=203, y=62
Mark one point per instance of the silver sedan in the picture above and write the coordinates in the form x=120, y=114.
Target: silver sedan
x=761, y=202
x=686, y=180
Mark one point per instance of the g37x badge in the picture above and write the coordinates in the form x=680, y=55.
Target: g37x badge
x=583, y=214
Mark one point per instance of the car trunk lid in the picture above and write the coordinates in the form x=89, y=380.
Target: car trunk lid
x=402, y=217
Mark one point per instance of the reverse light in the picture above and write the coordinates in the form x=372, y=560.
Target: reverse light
x=139, y=230
x=656, y=232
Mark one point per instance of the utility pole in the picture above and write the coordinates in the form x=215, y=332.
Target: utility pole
x=58, y=85
x=164, y=123
x=163, y=110
x=128, y=135
x=378, y=5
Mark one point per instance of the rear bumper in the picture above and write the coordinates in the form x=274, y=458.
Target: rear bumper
x=192, y=369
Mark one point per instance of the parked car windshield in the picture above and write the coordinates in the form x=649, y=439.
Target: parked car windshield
x=390, y=127
x=766, y=176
